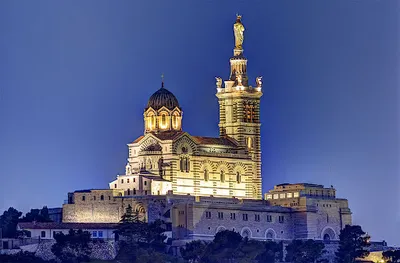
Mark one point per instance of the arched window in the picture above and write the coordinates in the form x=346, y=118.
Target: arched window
x=175, y=120
x=185, y=164
x=129, y=191
x=238, y=178
x=222, y=173
x=164, y=122
x=249, y=143
x=134, y=191
x=102, y=197
x=205, y=175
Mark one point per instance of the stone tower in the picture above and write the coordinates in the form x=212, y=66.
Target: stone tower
x=239, y=107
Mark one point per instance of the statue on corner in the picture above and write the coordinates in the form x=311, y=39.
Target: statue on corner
x=238, y=29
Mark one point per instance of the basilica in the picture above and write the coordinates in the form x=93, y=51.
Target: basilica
x=201, y=185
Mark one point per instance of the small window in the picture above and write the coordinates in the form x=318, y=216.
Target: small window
x=134, y=179
x=102, y=197
x=83, y=198
x=282, y=196
x=233, y=216
x=145, y=192
x=296, y=194
x=181, y=212
x=122, y=181
x=222, y=176
x=208, y=214
x=220, y=215
x=245, y=217
x=205, y=175
x=281, y=219
x=127, y=180
x=94, y=234
x=269, y=218
x=269, y=197
x=100, y=233
x=94, y=198
x=289, y=195
x=134, y=191
x=129, y=191
x=115, y=185
x=109, y=198
x=276, y=196
x=145, y=182
x=238, y=178
x=43, y=234
x=256, y=217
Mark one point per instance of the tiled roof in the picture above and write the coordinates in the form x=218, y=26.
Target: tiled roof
x=138, y=139
x=168, y=135
x=54, y=225
x=215, y=141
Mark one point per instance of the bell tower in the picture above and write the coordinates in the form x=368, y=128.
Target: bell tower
x=239, y=107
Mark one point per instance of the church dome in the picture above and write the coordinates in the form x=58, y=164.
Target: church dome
x=161, y=98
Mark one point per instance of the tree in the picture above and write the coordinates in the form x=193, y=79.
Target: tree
x=391, y=256
x=223, y=247
x=193, y=251
x=352, y=245
x=308, y=251
x=130, y=227
x=272, y=252
x=73, y=247
x=38, y=215
x=9, y=221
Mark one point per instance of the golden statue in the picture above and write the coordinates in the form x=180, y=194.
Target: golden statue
x=238, y=29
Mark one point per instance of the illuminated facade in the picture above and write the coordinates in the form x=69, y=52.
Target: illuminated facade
x=202, y=185
x=167, y=158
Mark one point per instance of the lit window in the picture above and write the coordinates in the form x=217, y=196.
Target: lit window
x=269, y=196
x=289, y=195
x=276, y=196
x=249, y=143
x=296, y=194
x=282, y=196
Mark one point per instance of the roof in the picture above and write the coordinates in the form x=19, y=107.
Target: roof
x=168, y=135
x=215, y=141
x=162, y=98
x=54, y=225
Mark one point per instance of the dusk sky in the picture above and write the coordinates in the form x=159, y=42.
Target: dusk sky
x=75, y=77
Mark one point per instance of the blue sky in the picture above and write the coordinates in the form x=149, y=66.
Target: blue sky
x=75, y=77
